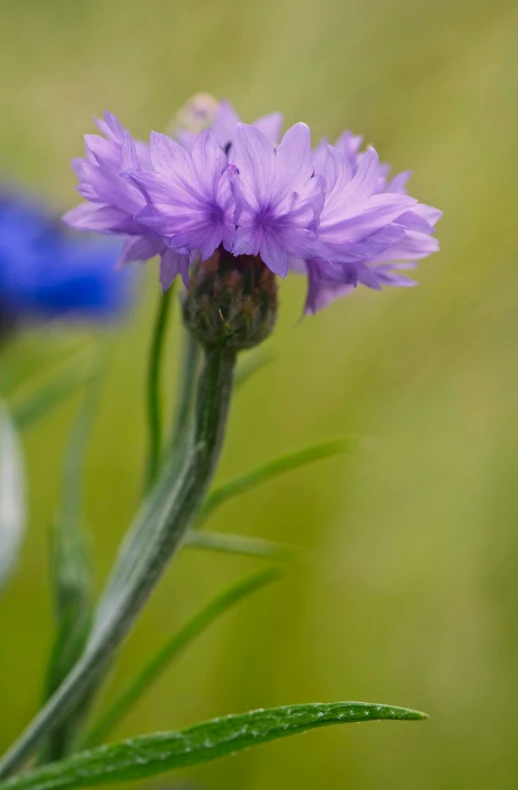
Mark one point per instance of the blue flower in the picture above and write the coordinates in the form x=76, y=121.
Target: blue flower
x=47, y=272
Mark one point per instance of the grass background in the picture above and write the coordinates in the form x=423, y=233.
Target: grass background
x=411, y=594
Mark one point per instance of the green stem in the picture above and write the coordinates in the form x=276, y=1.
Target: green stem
x=169, y=511
x=154, y=410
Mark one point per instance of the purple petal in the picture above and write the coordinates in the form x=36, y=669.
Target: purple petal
x=129, y=159
x=320, y=157
x=102, y=152
x=111, y=127
x=156, y=189
x=99, y=217
x=429, y=213
x=209, y=161
x=270, y=125
x=381, y=242
x=173, y=263
x=293, y=161
x=109, y=187
x=398, y=183
x=139, y=248
x=349, y=144
x=254, y=156
x=274, y=255
x=411, y=246
x=338, y=175
x=355, y=223
x=412, y=220
x=365, y=180
x=171, y=160
x=322, y=293
x=225, y=123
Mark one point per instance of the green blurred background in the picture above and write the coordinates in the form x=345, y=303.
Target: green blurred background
x=411, y=593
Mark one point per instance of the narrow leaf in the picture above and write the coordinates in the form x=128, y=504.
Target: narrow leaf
x=36, y=406
x=12, y=495
x=23, y=363
x=174, y=646
x=245, y=546
x=71, y=573
x=263, y=474
x=154, y=384
x=252, y=363
x=149, y=755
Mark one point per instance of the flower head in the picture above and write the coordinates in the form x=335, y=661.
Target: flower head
x=330, y=213
x=47, y=273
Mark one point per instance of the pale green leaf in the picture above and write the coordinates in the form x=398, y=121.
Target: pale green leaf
x=71, y=573
x=242, y=545
x=163, y=658
x=149, y=755
x=286, y=463
x=35, y=406
x=250, y=365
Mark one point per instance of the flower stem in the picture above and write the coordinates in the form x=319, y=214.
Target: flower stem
x=168, y=512
x=154, y=410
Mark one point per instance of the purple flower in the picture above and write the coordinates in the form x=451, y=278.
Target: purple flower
x=189, y=200
x=369, y=230
x=277, y=196
x=113, y=201
x=330, y=213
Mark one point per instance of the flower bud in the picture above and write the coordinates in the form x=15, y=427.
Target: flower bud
x=194, y=116
x=231, y=300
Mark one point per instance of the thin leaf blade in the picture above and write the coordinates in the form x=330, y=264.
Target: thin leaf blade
x=172, y=648
x=242, y=545
x=71, y=573
x=271, y=470
x=149, y=755
x=252, y=364
x=33, y=408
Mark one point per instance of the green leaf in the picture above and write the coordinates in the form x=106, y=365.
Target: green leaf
x=12, y=495
x=33, y=408
x=149, y=755
x=71, y=574
x=23, y=363
x=245, y=546
x=251, y=364
x=174, y=646
x=154, y=382
x=263, y=474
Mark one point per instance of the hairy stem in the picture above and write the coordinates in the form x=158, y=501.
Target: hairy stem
x=169, y=511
